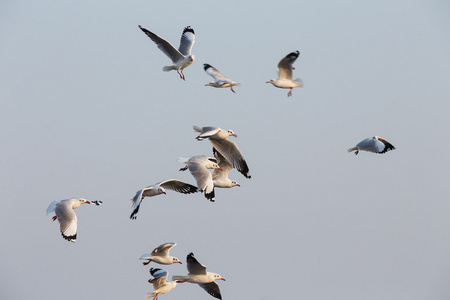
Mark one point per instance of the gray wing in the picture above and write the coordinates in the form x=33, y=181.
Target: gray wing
x=285, y=65
x=203, y=178
x=223, y=163
x=163, y=250
x=232, y=153
x=164, y=46
x=179, y=186
x=208, y=131
x=158, y=282
x=137, y=200
x=211, y=288
x=67, y=220
x=214, y=73
x=193, y=266
x=187, y=41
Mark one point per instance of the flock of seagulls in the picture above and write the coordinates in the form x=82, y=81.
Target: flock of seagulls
x=182, y=58
x=226, y=157
x=196, y=273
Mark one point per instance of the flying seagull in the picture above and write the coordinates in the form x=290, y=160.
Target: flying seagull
x=197, y=274
x=181, y=58
x=161, y=255
x=285, y=68
x=198, y=166
x=229, y=149
x=160, y=283
x=65, y=214
x=374, y=144
x=158, y=189
x=220, y=81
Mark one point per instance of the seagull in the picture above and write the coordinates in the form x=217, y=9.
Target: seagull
x=220, y=81
x=220, y=176
x=182, y=57
x=229, y=149
x=158, y=189
x=197, y=274
x=160, y=283
x=161, y=255
x=285, y=68
x=374, y=144
x=198, y=166
x=64, y=212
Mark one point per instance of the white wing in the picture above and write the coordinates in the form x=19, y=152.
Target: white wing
x=164, y=46
x=67, y=220
x=187, y=41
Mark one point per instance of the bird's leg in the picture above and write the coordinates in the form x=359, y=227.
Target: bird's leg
x=290, y=92
x=178, y=71
x=232, y=89
x=357, y=151
x=54, y=218
x=182, y=74
x=146, y=263
x=156, y=297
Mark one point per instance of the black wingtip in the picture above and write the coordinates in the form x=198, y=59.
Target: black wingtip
x=71, y=238
x=133, y=215
x=188, y=29
x=206, y=66
x=294, y=54
x=210, y=196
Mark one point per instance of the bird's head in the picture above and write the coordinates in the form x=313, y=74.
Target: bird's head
x=231, y=132
x=176, y=260
x=234, y=183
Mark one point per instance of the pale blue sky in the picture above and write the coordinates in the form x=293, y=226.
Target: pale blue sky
x=86, y=111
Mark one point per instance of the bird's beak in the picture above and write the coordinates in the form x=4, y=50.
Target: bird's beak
x=164, y=193
x=180, y=281
x=222, y=279
x=87, y=202
x=235, y=135
x=180, y=262
x=267, y=81
x=220, y=169
x=238, y=185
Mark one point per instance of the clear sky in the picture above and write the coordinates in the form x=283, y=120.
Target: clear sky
x=86, y=111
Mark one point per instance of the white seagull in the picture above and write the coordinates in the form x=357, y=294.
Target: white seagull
x=181, y=58
x=374, y=144
x=220, y=176
x=285, y=68
x=158, y=189
x=197, y=274
x=161, y=255
x=229, y=149
x=160, y=283
x=198, y=166
x=220, y=81
x=64, y=212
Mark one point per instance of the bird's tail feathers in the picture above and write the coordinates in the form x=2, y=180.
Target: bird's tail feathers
x=169, y=68
x=352, y=149
x=51, y=207
x=150, y=295
x=145, y=256
x=299, y=81
x=178, y=277
x=182, y=159
x=197, y=128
